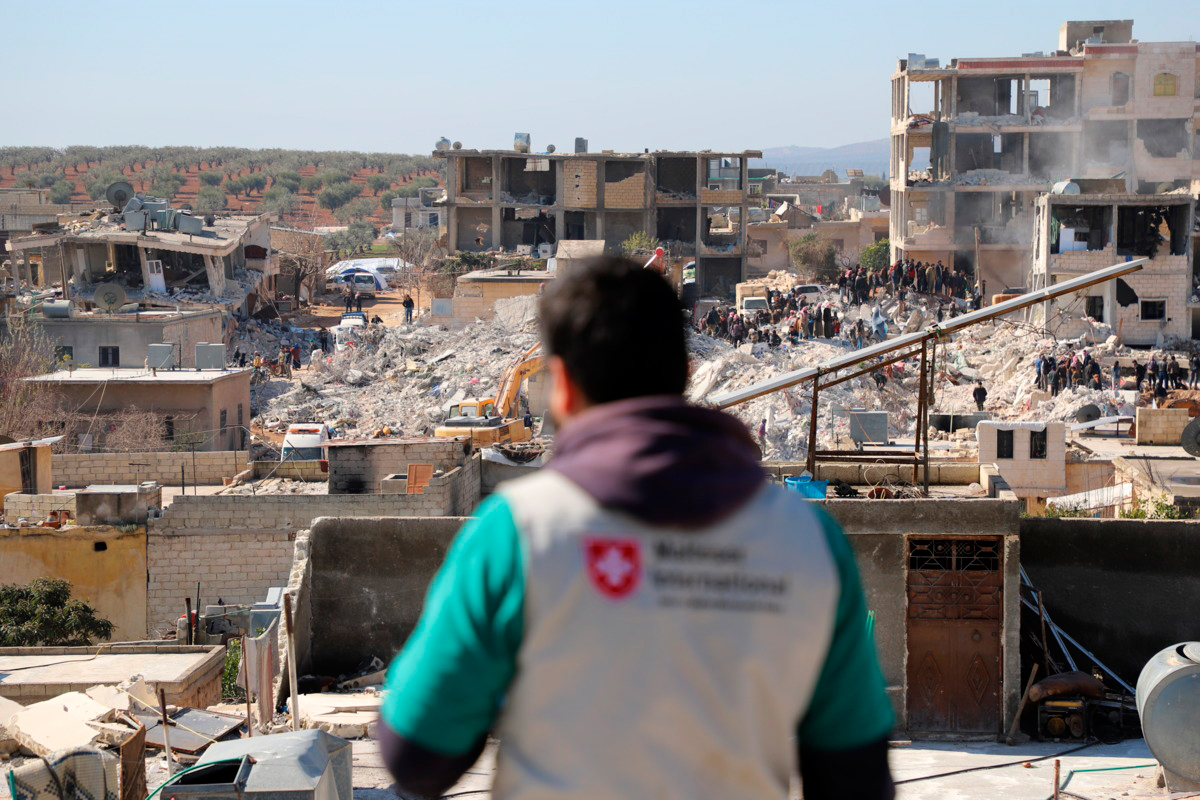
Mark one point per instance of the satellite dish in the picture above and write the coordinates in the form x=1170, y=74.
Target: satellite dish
x=549, y=148
x=1089, y=413
x=110, y=296
x=457, y=145
x=119, y=193
x=1190, y=440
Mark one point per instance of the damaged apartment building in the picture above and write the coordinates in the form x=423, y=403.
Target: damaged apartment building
x=110, y=283
x=517, y=201
x=975, y=142
x=153, y=252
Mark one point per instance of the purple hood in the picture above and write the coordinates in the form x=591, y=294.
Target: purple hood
x=660, y=460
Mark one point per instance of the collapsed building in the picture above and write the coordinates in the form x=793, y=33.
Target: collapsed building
x=1079, y=233
x=974, y=143
x=154, y=253
x=517, y=201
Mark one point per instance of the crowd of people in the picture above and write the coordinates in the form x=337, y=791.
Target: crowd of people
x=790, y=315
x=1070, y=369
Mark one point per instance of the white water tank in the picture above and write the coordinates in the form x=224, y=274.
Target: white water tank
x=1168, y=702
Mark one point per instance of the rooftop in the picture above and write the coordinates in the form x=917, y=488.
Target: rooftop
x=143, y=316
x=137, y=375
x=219, y=238
x=492, y=275
x=603, y=154
x=579, y=248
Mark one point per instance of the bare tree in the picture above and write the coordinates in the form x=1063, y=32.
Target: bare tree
x=28, y=409
x=420, y=249
x=134, y=430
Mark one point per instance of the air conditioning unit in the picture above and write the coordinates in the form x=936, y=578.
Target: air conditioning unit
x=161, y=356
x=210, y=356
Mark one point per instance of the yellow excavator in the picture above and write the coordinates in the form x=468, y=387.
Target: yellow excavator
x=495, y=420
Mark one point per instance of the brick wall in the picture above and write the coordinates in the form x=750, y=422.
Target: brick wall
x=238, y=546
x=358, y=469
x=1161, y=425
x=720, y=197
x=579, y=183
x=234, y=567
x=84, y=469
x=1166, y=277
x=36, y=507
x=626, y=193
x=310, y=471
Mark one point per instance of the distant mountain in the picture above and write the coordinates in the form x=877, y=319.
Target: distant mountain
x=871, y=157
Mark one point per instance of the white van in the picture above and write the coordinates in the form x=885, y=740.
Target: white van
x=305, y=441
x=363, y=283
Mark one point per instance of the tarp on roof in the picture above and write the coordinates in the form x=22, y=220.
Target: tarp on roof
x=1104, y=497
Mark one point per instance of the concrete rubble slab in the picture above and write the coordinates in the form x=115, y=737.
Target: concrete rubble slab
x=57, y=724
x=347, y=715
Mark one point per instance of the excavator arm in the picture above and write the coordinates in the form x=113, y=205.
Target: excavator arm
x=510, y=384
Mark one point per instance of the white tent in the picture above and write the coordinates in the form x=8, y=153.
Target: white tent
x=361, y=265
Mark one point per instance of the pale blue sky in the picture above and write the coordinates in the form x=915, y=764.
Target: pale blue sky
x=379, y=76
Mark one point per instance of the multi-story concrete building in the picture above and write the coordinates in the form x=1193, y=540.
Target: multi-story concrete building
x=975, y=142
x=417, y=212
x=514, y=201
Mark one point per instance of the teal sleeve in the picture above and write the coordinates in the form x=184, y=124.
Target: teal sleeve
x=444, y=688
x=849, y=707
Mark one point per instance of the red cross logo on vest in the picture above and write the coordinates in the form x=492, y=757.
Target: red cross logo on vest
x=614, y=566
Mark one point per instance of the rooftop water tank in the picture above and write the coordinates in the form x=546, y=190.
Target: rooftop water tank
x=57, y=309
x=1168, y=701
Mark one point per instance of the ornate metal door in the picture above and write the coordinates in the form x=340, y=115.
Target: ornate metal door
x=954, y=611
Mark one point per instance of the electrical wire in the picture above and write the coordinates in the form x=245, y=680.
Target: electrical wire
x=996, y=766
x=192, y=768
x=65, y=661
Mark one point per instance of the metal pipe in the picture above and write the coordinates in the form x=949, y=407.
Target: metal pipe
x=166, y=726
x=293, y=681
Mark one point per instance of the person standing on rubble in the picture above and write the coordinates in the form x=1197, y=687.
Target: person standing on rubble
x=1194, y=370
x=1173, y=381
x=980, y=395
x=645, y=602
x=409, y=305
x=1116, y=374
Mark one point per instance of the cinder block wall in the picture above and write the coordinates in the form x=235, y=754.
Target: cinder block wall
x=626, y=193
x=84, y=469
x=238, y=546
x=359, y=469
x=36, y=507
x=1161, y=425
x=579, y=183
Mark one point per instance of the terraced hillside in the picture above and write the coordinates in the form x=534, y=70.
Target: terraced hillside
x=307, y=188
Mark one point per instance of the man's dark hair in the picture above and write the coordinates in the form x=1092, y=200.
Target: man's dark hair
x=618, y=329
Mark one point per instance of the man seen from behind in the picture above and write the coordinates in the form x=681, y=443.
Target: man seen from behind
x=646, y=617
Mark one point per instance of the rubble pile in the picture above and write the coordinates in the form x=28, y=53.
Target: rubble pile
x=277, y=486
x=404, y=378
x=1002, y=356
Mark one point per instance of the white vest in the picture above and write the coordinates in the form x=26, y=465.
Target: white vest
x=661, y=663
